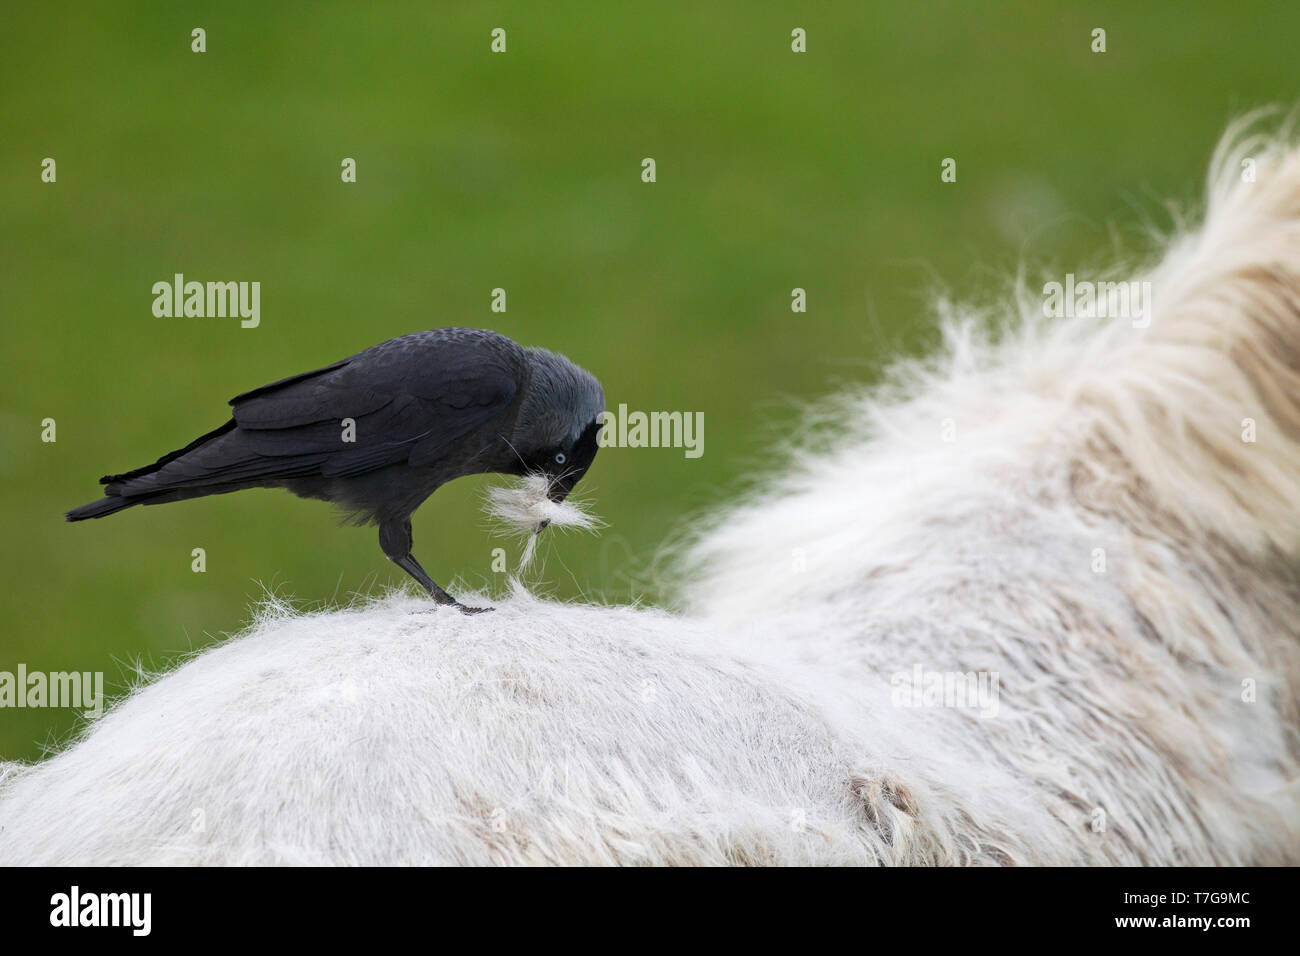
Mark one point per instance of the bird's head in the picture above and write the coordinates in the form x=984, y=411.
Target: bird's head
x=559, y=423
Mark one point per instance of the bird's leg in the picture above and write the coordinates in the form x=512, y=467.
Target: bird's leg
x=396, y=540
x=412, y=567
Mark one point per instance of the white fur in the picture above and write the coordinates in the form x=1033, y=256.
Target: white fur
x=758, y=726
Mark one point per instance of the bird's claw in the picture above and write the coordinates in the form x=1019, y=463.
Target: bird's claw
x=463, y=608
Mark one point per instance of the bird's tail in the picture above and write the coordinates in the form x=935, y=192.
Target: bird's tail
x=126, y=489
x=104, y=506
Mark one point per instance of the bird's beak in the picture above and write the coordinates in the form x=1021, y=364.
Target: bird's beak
x=561, y=487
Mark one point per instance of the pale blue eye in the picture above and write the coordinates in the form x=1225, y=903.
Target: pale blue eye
x=560, y=459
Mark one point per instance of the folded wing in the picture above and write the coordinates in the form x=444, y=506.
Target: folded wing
x=405, y=401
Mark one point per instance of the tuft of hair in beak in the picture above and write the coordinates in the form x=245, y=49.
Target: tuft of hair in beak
x=530, y=508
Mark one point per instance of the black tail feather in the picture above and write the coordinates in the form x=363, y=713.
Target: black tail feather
x=104, y=506
x=169, y=457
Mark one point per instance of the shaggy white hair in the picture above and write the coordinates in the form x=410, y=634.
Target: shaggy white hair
x=1097, y=534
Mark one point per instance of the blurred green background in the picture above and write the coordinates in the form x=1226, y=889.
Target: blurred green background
x=522, y=171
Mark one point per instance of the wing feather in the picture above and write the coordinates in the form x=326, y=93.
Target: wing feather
x=408, y=399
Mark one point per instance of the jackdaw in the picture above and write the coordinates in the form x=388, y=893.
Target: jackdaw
x=379, y=432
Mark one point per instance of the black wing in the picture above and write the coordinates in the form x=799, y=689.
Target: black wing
x=408, y=399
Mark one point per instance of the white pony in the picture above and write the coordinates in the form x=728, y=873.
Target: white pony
x=1035, y=601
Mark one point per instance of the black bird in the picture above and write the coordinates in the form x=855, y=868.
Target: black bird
x=378, y=433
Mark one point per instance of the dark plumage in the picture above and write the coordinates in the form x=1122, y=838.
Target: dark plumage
x=427, y=407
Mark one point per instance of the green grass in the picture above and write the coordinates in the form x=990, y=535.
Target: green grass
x=522, y=171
